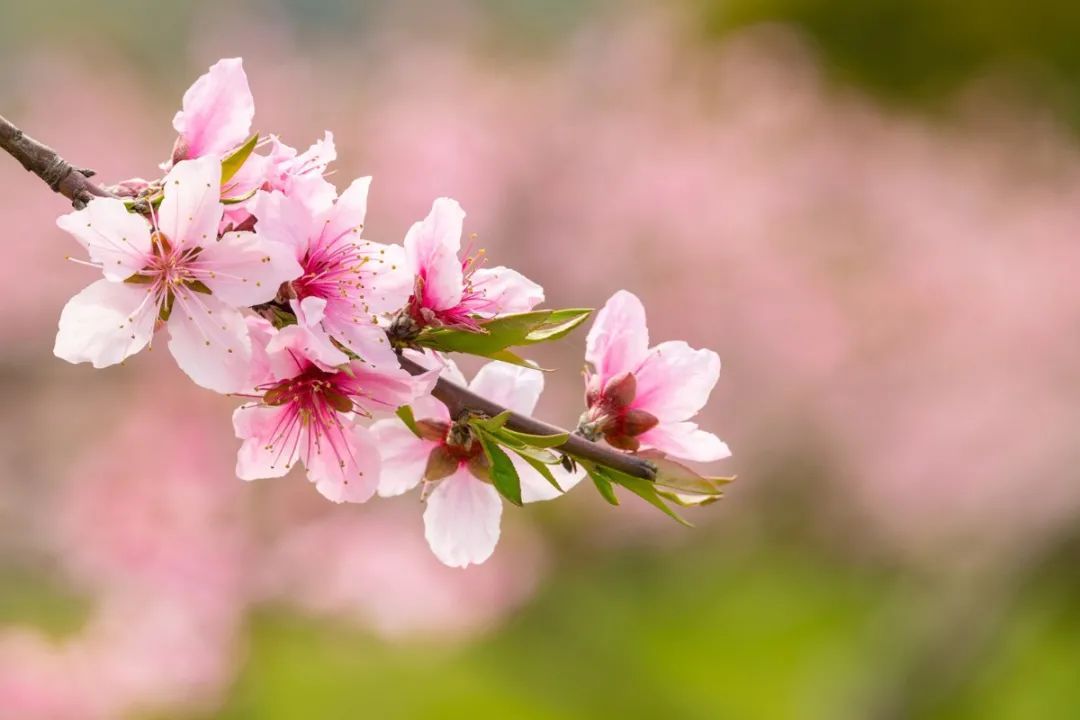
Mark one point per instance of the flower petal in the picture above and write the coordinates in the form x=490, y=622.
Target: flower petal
x=112, y=236
x=502, y=290
x=106, y=323
x=345, y=465
x=367, y=341
x=210, y=342
x=684, y=440
x=346, y=216
x=385, y=389
x=258, y=458
x=674, y=381
x=191, y=211
x=217, y=111
x=431, y=248
x=461, y=521
x=404, y=457
x=517, y=388
x=243, y=269
x=619, y=338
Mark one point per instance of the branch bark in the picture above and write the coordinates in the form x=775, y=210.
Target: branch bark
x=40, y=159
x=75, y=184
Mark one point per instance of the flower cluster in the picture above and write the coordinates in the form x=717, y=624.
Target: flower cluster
x=258, y=267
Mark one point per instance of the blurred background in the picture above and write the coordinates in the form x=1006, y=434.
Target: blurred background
x=871, y=210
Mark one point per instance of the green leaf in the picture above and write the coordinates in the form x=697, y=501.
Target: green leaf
x=644, y=489
x=406, y=414
x=602, y=484
x=235, y=160
x=558, y=324
x=540, y=468
x=503, y=474
x=538, y=441
x=688, y=499
x=504, y=332
x=491, y=425
x=240, y=198
x=683, y=479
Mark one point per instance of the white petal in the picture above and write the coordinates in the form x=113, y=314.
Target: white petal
x=517, y=388
x=106, y=323
x=112, y=236
x=404, y=457
x=243, y=269
x=347, y=214
x=191, y=211
x=503, y=290
x=535, y=487
x=210, y=342
x=461, y=522
x=684, y=440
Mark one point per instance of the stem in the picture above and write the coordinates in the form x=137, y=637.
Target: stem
x=457, y=399
x=75, y=184
x=71, y=182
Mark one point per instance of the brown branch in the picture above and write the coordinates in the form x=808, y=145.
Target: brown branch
x=71, y=182
x=459, y=399
x=75, y=184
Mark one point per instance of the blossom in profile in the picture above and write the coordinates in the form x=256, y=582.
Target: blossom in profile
x=171, y=270
x=448, y=291
x=462, y=517
x=306, y=406
x=644, y=397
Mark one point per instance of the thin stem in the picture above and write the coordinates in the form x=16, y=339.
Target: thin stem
x=458, y=399
x=75, y=184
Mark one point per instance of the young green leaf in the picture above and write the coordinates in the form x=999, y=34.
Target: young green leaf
x=538, y=441
x=493, y=424
x=406, y=414
x=682, y=479
x=602, y=484
x=503, y=474
x=558, y=324
x=540, y=468
x=235, y=160
x=644, y=489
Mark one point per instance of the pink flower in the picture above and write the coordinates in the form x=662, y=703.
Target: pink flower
x=461, y=521
x=307, y=406
x=450, y=292
x=357, y=279
x=217, y=113
x=301, y=174
x=644, y=397
x=175, y=271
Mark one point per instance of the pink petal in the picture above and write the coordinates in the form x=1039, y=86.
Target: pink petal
x=517, y=388
x=257, y=458
x=112, y=236
x=284, y=220
x=461, y=522
x=674, y=381
x=404, y=457
x=346, y=216
x=210, y=342
x=684, y=440
x=388, y=279
x=306, y=344
x=261, y=332
x=535, y=487
x=345, y=466
x=243, y=269
x=431, y=249
x=385, y=389
x=191, y=211
x=503, y=290
x=106, y=323
x=367, y=341
x=619, y=339
x=217, y=111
